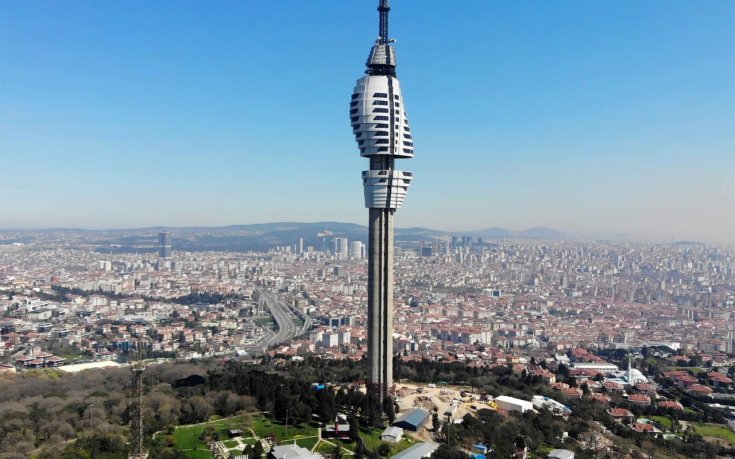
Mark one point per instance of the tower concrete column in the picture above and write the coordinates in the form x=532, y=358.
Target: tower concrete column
x=380, y=300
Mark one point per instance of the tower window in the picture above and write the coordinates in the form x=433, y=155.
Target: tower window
x=379, y=141
x=379, y=110
x=380, y=94
x=383, y=149
x=397, y=105
x=383, y=126
x=408, y=136
x=380, y=118
x=356, y=95
x=380, y=102
x=407, y=150
x=353, y=111
x=406, y=128
x=360, y=142
x=354, y=103
x=354, y=118
x=408, y=144
x=381, y=134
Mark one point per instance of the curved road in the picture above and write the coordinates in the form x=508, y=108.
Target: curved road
x=283, y=315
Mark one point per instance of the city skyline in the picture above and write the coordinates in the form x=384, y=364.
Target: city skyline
x=584, y=118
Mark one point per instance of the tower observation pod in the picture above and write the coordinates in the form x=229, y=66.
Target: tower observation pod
x=380, y=124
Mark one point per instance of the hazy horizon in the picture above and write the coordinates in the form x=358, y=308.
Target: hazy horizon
x=588, y=118
x=568, y=235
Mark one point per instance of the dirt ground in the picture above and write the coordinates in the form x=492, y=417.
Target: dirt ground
x=443, y=399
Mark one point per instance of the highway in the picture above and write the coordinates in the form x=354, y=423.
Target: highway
x=284, y=316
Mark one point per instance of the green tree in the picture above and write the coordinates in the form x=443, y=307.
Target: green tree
x=258, y=450
x=389, y=409
x=384, y=449
x=445, y=451
x=354, y=429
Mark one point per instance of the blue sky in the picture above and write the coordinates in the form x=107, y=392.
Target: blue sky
x=591, y=117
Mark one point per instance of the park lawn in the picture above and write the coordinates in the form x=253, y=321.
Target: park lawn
x=371, y=438
x=229, y=444
x=198, y=454
x=663, y=420
x=186, y=438
x=325, y=449
x=263, y=426
x=715, y=430
x=307, y=443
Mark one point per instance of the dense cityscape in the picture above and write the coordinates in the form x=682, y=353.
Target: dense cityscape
x=588, y=319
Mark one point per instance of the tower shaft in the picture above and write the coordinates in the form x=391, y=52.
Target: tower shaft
x=380, y=302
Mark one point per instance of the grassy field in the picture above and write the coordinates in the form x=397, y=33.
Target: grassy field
x=663, y=420
x=307, y=443
x=715, y=430
x=371, y=438
x=186, y=438
x=263, y=426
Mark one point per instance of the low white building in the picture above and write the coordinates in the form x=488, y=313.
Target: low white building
x=392, y=434
x=513, y=404
x=557, y=408
x=602, y=367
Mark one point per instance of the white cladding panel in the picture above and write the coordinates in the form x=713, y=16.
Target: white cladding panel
x=385, y=189
x=378, y=117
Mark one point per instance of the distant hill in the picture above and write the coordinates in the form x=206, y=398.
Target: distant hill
x=263, y=236
x=531, y=233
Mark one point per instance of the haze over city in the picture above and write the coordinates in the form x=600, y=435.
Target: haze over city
x=602, y=119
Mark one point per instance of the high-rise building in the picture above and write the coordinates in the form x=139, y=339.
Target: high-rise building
x=357, y=249
x=300, y=246
x=341, y=248
x=379, y=122
x=164, y=245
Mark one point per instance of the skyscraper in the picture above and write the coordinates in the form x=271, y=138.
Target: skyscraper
x=380, y=125
x=164, y=245
x=356, y=249
x=341, y=248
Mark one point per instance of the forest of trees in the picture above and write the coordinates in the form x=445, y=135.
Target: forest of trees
x=49, y=414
